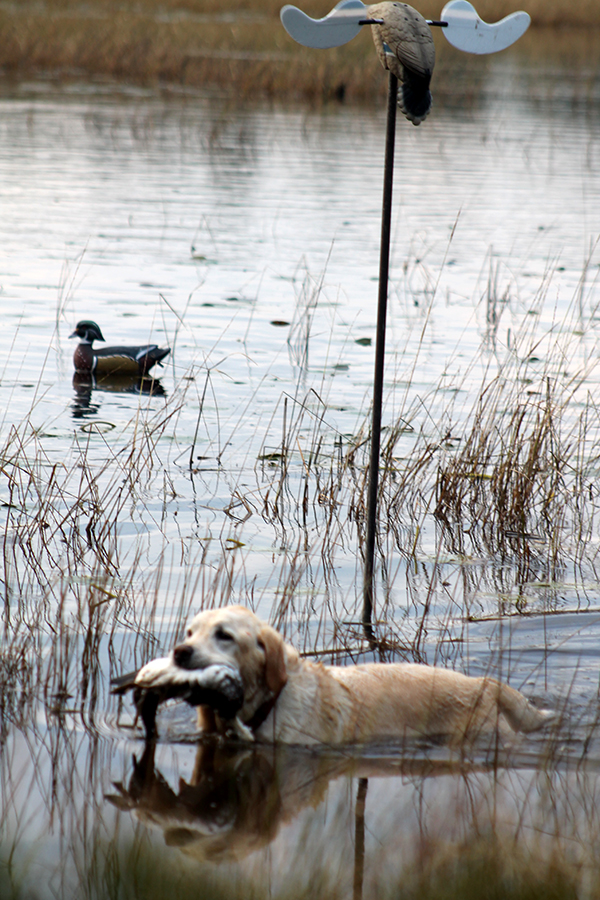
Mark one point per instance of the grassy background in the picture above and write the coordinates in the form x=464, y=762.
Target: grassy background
x=240, y=47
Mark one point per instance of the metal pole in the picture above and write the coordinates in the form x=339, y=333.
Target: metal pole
x=384, y=265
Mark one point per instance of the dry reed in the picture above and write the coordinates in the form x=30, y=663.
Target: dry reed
x=505, y=484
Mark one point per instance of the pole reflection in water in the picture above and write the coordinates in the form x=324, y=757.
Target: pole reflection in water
x=359, y=837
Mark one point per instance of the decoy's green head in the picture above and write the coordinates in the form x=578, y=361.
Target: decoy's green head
x=87, y=331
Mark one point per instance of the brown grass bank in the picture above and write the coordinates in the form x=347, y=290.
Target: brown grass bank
x=241, y=48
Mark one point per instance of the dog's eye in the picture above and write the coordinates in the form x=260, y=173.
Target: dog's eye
x=188, y=632
x=222, y=635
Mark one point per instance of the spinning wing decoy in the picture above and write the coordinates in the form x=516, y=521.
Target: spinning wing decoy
x=405, y=47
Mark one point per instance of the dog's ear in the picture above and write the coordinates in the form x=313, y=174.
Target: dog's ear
x=275, y=668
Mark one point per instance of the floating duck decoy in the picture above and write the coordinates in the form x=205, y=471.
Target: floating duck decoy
x=112, y=360
x=405, y=47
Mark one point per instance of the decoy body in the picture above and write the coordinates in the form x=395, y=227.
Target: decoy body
x=405, y=48
x=135, y=361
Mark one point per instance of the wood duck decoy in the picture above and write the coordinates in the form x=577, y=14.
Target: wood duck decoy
x=112, y=360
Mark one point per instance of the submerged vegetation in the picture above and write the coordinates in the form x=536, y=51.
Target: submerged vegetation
x=479, y=871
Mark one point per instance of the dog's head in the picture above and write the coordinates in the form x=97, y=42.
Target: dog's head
x=235, y=637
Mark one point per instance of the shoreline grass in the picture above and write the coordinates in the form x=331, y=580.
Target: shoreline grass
x=244, y=50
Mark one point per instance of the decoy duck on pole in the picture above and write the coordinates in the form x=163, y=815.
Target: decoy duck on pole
x=405, y=47
x=135, y=361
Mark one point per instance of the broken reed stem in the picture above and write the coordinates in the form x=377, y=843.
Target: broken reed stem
x=198, y=420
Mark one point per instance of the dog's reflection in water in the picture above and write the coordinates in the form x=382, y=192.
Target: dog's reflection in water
x=235, y=801
x=238, y=798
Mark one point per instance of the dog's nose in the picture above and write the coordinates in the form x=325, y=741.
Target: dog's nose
x=182, y=654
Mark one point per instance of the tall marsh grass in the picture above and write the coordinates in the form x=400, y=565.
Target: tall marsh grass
x=488, y=513
x=492, y=507
x=243, y=50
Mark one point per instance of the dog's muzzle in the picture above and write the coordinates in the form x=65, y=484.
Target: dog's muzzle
x=183, y=657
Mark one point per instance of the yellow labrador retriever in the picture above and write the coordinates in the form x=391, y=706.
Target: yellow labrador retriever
x=290, y=699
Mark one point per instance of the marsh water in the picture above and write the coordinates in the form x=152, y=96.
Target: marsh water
x=247, y=240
